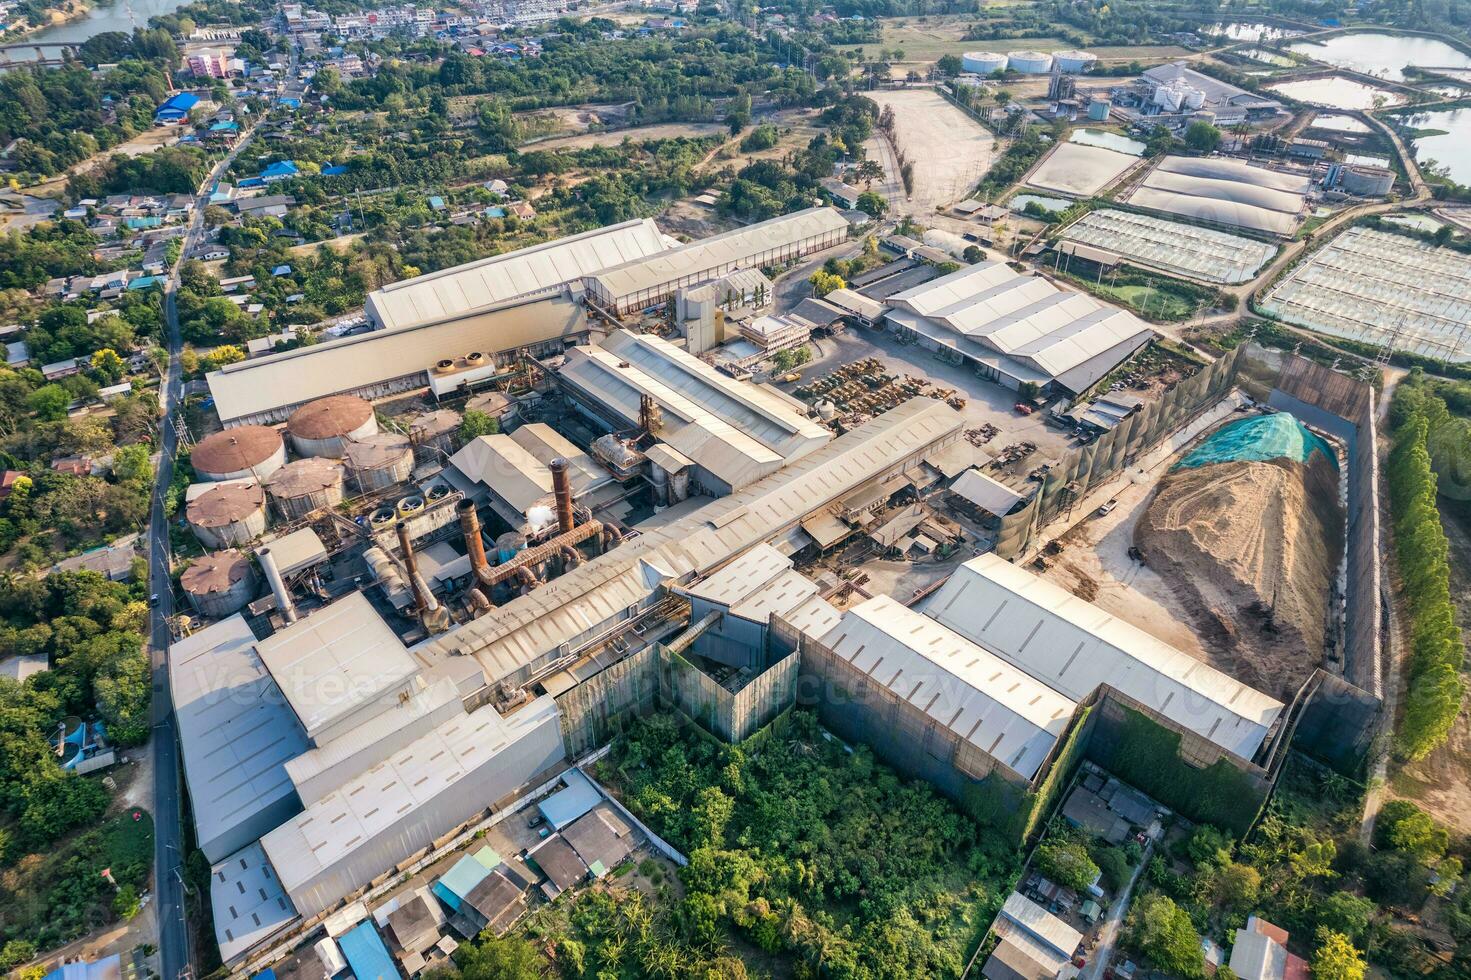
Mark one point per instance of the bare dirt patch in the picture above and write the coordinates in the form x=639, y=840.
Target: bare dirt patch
x=613, y=137
x=950, y=151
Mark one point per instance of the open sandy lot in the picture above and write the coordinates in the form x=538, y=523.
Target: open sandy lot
x=950, y=151
x=663, y=131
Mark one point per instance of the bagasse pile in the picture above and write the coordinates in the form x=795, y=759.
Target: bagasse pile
x=1252, y=547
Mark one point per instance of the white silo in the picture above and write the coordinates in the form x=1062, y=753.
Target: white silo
x=1194, y=98
x=244, y=451
x=983, y=62
x=1030, y=62
x=1075, y=62
x=324, y=427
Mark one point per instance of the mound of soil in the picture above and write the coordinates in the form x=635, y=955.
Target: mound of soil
x=1252, y=548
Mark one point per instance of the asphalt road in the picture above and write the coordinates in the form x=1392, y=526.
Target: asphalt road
x=176, y=955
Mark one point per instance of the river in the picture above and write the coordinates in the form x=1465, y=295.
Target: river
x=121, y=15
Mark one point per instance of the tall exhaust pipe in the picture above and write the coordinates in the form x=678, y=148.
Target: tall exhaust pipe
x=562, y=490
x=474, y=544
x=278, y=584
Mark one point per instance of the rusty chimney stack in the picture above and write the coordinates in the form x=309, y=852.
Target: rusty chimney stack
x=411, y=565
x=562, y=489
x=474, y=544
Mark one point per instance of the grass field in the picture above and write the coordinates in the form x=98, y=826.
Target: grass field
x=927, y=42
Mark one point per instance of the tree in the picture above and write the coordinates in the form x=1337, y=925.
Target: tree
x=125, y=903
x=1067, y=863
x=872, y=204
x=1346, y=913
x=1114, y=865
x=1336, y=958
x=49, y=402
x=1161, y=931
x=107, y=363
x=131, y=465
x=475, y=424
x=973, y=254
x=220, y=356
x=1405, y=827
x=825, y=282
x=1208, y=846
x=949, y=65
x=1202, y=137
x=498, y=958
x=1236, y=886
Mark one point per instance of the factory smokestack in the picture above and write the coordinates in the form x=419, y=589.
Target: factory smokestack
x=474, y=544
x=562, y=490
x=278, y=584
x=434, y=616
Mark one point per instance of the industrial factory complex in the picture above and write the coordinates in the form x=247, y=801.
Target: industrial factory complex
x=400, y=632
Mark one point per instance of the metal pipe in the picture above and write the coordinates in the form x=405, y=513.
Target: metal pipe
x=527, y=578
x=479, y=601
x=424, y=600
x=474, y=544
x=562, y=490
x=278, y=584
x=611, y=536
x=571, y=558
x=535, y=556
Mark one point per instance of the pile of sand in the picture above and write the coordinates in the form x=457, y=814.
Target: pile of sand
x=1252, y=548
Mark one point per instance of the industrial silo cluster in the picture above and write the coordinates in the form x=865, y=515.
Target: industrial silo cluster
x=379, y=461
x=246, y=451
x=983, y=62
x=305, y=485
x=228, y=514
x=326, y=426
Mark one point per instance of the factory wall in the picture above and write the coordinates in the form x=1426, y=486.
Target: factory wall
x=734, y=641
x=732, y=717
x=497, y=777
x=604, y=704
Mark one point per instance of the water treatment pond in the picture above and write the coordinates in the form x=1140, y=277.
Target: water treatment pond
x=1337, y=92
x=1448, y=141
x=1020, y=202
x=1108, y=141
x=1383, y=55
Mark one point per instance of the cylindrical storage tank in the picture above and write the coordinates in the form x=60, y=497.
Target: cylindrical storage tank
x=246, y=450
x=507, y=545
x=497, y=405
x=679, y=485
x=324, y=427
x=1029, y=62
x=306, y=485
x=379, y=461
x=1074, y=62
x=219, y=584
x=1194, y=98
x=1204, y=115
x=1099, y=109
x=1366, y=181
x=228, y=515
x=983, y=62
x=437, y=431
x=1169, y=98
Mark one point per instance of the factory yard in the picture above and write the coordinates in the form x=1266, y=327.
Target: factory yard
x=1376, y=287
x=949, y=150
x=1179, y=249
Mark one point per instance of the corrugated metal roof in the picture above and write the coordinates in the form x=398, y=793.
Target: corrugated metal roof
x=1225, y=192
x=238, y=731
x=1073, y=646
x=986, y=493
x=546, y=444
x=246, y=901
x=280, y=381
x=735, y=430
x=298, y=550
x=1041, y=924
x=513, y=636
x=451, y=292
x=984, y=700
x=710, y=254
x=335, y=660
x=501, y=463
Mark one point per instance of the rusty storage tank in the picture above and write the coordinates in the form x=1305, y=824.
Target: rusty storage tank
x=228, y=515
x=324, y=427
x=246, y=450
x=379, y=461
x=305, y=485
x=219, y=584
x=437, y=432
x=498, y=405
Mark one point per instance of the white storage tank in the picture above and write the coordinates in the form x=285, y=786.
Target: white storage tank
x=1194, y=98
x=1366, y=181
x=229, y=514
x=983, y=62
x=1168, y=98
x=324, y=427
x=306, y=485
x=246, y=450
x=219, y=584
x=1075, y=62
x=1030, y=62
x=379, y=461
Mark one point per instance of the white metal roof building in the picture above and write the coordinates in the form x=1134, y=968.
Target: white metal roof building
x=338, y=666
x=1054, y=936
x=1016, y=328
x=1225, y=192
x=735, y=432
x=374, y=821
x=246, y=901
x=532, y=630
x=451, y=292
x=993, y=705
x=237, y=733
x=748, y=591
x=515, y=473
x=634, y=285
x=382, y=362
x=1074, y=647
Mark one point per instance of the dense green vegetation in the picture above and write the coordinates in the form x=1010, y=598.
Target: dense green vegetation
x=816, y=855
x=1422, y=424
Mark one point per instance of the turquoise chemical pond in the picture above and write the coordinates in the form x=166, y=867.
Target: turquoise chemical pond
x=1265, y=437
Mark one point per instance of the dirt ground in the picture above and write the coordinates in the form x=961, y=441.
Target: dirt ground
x=950, y=151
x=1441, y=783
x=614, y=137
x=925, y=41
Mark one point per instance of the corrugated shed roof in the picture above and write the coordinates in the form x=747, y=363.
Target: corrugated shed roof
x=238, y=731
x=710, y=254
x=1073, y=646
x=984, y=700
x=492, y=280
x=1041, y=924
x=986, y=493
x=511, y=637
x=279, y=381
x=246, y=901
x=335, y=660
x=504, y=465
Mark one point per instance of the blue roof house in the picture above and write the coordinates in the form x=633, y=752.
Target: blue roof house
x=334, y=169
x=366, y=954
x=175, y=109
x=280, y=170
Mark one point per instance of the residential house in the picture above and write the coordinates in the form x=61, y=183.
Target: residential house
x=1260, y=953
x=175, y=109
x=61, y=369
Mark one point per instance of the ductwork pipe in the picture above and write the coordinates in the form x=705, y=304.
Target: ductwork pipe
x=479, y=602
x=611, y=536
x=278, y=584
x=535, y=556
x=527, y=578
x=562, y=491
x=571, y=558
x=434, y=617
